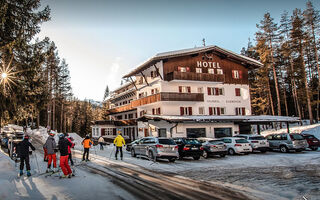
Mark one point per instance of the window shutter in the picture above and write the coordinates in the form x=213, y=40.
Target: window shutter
x=218, y=111
x=180, y=89
x=233, y=76
x=209, y=91
x=189, y=89
x=190, y=110
x=181, y=111
x=188, y=69
x=210, y=110
x=237, y=91
x=151, y=74
x=237, y=111
x=240, y=74
x=153, y=111
x=159, y=111
x=216, y=91
x=243, y=111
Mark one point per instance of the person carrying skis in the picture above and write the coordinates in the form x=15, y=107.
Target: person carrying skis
x=101, y=142
x=70, y=139
x=63, y=147
x=23, y=153
x=51, y=147
x=86, y=146
x=118, y=142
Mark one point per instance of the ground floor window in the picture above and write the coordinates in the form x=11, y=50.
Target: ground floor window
x=196, y=132
x=222, y=132
x=162, y=132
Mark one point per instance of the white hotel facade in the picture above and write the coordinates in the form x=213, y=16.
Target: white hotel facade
x=187, y=93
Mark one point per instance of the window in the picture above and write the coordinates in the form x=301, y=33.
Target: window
x=219, y=71
x=198, y=70
x=217, y=111
x=200, y=89
x=185, y=110
x=130, y=116
x=184, y=69
x=241, y=111
x=141, y=95
x=152, y=91
x=211, y=71
x=156, y=111
x=201, y=110
x=140, y=80
x=125, y=116
x=157, y=90
x=236, y=74
x=237, y=91
x=143, y=112
x=215, y=91
x=184, y=89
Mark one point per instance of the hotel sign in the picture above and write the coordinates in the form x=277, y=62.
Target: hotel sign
x=206, y=64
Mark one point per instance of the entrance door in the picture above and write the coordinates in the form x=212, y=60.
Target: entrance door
x=196, y=132
x=162, y=132
x=146, y=134
x=222, y=132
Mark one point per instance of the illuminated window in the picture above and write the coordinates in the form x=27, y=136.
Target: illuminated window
x=211, y=71
x=198, y=70
x=219, y=71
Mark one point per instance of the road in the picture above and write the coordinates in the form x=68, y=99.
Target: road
x=138, y=183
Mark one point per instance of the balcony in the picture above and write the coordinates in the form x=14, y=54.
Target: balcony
x=192, y=76
x=163, y=96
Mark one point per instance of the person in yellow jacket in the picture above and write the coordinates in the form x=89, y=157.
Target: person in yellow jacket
x=86, y=145
x=119, y=142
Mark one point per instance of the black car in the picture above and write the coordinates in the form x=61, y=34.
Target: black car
x=189, y=147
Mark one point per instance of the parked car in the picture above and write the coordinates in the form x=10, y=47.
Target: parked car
x=313, y=142
x=189, y=147
x=155, y=148
x=213, y=147
x=128, y=146
x=287, y=141
x=237, y=145
x=258, y=142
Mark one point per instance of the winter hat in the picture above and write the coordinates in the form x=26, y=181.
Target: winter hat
x=61, y=135
x=87, y=137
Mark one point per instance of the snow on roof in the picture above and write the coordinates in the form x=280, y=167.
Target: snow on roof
x=240, y=118
x=184, y=52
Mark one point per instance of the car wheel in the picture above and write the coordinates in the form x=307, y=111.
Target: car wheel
x=205, y=154
x=150, y=156
x=314, y=148
x=231, y=152
x=133, y=154
x=222, y=155
x=283, y=149
x=196, y=157
x=172, y=159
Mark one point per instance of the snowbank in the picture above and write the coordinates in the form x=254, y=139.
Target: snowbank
x=7, y=174
x=309, y=129
x=77, y=140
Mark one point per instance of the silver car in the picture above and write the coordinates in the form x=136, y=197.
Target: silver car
x=286, y=141
x=155, y=148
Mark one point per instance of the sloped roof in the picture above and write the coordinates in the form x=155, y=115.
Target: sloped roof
x=184, y=52
x=221, y=118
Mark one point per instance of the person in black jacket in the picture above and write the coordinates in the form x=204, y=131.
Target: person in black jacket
x=23, y=153
x=64, y=154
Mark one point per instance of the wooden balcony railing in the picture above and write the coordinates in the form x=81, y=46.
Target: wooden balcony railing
x=163, y=96
x=175, y=75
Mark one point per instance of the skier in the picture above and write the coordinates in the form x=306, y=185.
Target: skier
x=118, y=142
x=70, y=139
x=86, y=145
x=64, y=144
x=23, y=153
x=45, y=158
x=101, y=142
x=51, y=147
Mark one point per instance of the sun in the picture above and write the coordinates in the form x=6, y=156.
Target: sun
x=7, y=78
x=4, y=75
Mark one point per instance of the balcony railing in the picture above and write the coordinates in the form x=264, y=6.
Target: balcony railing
x=175, y=75
x=163, y=96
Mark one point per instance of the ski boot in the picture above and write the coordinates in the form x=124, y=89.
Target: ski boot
x=21, y=172
x=63, y=176
x=55, y=170
x=28, y=173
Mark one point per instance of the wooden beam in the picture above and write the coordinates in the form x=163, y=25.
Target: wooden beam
x=144, y=78
x=158, y=71
x=133, y=83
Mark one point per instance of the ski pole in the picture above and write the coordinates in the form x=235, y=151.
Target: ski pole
x=111, y=153
x=35, y=155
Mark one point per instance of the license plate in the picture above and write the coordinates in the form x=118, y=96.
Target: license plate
x=246, y=149
x=194, y=148
x=262, y=143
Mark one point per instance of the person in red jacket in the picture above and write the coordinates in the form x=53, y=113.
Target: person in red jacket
x=70, y=139
x=63, y=147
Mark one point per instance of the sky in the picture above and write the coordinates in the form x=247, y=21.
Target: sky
x=102, y=40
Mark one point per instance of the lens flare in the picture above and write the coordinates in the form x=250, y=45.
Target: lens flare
x=7, y=78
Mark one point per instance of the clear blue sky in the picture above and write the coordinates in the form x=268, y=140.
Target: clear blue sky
x=103, y=40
